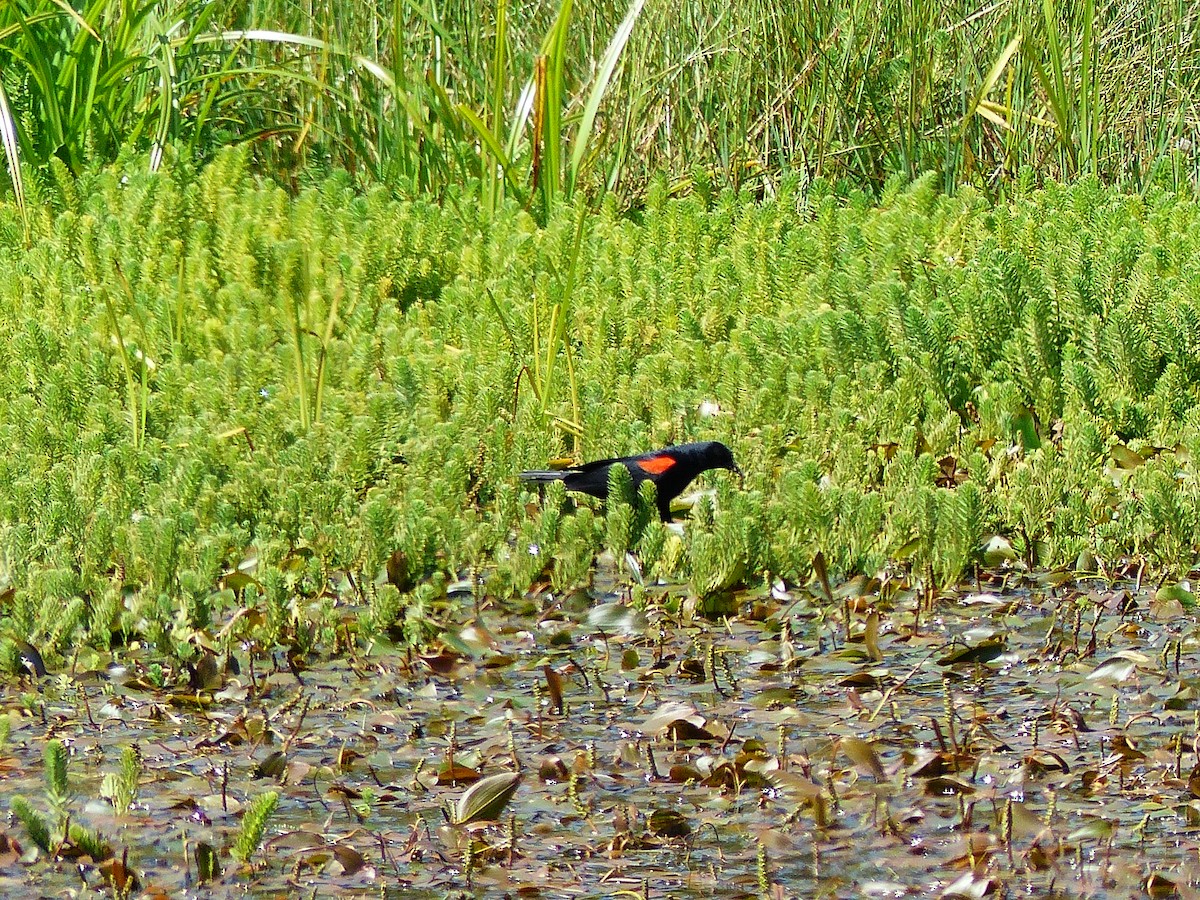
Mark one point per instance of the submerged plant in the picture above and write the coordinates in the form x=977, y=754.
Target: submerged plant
x=254, y=826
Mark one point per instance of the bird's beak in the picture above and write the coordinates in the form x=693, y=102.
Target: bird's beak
x=738, y=472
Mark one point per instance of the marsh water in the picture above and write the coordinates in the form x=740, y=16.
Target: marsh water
x=1020, y=735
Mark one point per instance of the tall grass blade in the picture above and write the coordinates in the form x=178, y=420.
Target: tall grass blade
x=492, y=185
x=499, y=159
x=608, y=65
x=301, y=40
x=992, y=77
x=551, y=65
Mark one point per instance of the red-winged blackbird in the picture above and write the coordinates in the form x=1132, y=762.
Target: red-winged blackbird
x=671, y=469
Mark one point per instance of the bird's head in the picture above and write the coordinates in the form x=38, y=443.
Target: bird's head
x=718, y=456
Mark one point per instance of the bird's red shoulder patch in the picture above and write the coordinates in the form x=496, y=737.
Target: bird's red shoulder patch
x=656, y=465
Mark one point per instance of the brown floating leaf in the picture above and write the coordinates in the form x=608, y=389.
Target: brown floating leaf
x=872, y=679
x=871, y=637
x=977, y=846
x=204, y=674
x=553, y=769
x=273, y=766
x=681, y=773
x=863, y=756
x=1043, y=760
x=442, y=662
x=345, y=757
x=554, y=688
x=350, y=859
x=1124, y=747
x=668, y=713
x=456, y=773
x=1041, y=856
x=1160, y=886
x=931, y=764
x=684, y=730
x=343, y=791
x=486, y=799
x=947, y=787
x=980, y=653
x=668, y=823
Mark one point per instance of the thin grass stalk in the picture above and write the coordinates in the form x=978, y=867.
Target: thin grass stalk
x=1089, y=99
x=298, y=345
x=536, y=355
x=575, y=426
x=551, y=347
x=177, y=326
x=323, y=352
x=136, y=418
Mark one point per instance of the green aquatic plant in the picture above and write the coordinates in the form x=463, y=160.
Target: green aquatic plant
x=121, y=787
x=254, y=826
x=902, y=381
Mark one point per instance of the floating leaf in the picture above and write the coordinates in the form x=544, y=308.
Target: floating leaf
x=554, y=688
x=998, y=550
x=980, y=653
x=1178, y=593
x=1118, y=668
x=669, y=713
x=863, y=756
x=871, y=637
x=617, y=618
x=668, y=823
x=485, y=800
x=456, y=773
x=208, y=863
x=1098, y=829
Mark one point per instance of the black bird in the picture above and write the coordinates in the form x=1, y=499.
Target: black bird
x=671, y=469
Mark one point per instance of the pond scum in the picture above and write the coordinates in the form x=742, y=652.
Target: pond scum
x=237, y=423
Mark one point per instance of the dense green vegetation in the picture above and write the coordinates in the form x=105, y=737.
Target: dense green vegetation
x=199, y=370
x=426, y=96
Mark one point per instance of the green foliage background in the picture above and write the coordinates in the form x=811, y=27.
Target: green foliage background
x=162, y=330
x=429, y=95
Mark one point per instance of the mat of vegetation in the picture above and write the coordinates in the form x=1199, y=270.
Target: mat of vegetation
x=259, y=488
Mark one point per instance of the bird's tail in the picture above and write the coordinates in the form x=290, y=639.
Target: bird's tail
x=545, y=476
